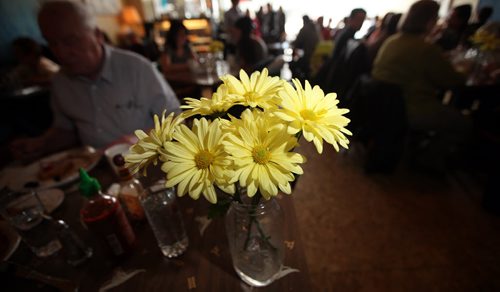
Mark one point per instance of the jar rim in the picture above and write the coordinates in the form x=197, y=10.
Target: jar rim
x=263, y=203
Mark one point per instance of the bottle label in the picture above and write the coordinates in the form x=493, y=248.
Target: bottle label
x=114, y=243
x=133, y=206
x=125, y=228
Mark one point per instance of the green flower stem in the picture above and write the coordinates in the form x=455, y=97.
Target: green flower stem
x=253, y=219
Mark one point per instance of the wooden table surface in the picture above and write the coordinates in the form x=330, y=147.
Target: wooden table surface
x=206, y=263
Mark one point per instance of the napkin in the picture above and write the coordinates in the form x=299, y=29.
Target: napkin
x=119, y=277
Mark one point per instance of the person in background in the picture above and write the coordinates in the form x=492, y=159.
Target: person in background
x=421, y=70
x=256, y=24
x=388, y=27
x=145, y=47
x=326, y=75
x=33, y=68
x=376, y=23
x=376, y=28
x=250, y=49
x=177, y=50
x=483, y=15
x=452, y=34
x=105, y=37
x=131, y=41
x=339, y=27
x=270, y=26
x=306, y=41
x=280, y=14
x=328, y=32
x=325, y=31
x=353, y=24
x=230, y=18
x=259, y=15
x=176, y=58
x=101, y=93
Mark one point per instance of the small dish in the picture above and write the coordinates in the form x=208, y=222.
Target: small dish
x=111, y=152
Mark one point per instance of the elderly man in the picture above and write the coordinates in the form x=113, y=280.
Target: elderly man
x=102, y=93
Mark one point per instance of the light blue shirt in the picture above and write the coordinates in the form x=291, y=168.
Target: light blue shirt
x=123, y=98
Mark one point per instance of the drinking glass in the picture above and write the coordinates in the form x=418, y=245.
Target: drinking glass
x=165, y=219
x=25, y=212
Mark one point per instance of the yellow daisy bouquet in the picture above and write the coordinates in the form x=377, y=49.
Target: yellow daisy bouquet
x=245, y=136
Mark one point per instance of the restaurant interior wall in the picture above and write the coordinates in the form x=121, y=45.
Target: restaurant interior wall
x=17, y=18
x=496, y=8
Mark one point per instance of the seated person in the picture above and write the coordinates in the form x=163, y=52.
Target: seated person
x=146, y=47
x=387, y=28
x=421, y=70
x=177, y=50
x=482, y=17
x=307, y=39
x=33, y=68
x=454, y=30
x=101, y=93
x=251, y=50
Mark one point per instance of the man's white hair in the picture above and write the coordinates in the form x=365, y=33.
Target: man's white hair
x=80, y=9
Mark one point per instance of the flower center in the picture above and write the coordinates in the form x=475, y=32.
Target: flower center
x=308, y=114
x=261, y=154
x=203, y=159
x=251, y=95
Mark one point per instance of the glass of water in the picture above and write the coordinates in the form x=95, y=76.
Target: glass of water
x=165, y=219
x=25, y=212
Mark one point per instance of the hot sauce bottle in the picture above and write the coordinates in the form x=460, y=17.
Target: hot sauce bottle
x=104, y=216
x=130, y=189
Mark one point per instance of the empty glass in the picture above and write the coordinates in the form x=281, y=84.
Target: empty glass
x=25, y=213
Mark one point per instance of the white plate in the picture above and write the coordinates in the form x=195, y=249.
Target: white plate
x=18, y=177
x=8, y=233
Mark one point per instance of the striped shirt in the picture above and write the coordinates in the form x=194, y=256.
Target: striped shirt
x=123, y=98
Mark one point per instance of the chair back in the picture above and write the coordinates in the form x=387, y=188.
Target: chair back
x=343, y=72
x=378, y=119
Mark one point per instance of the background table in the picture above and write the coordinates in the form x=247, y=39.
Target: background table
x=207, y=259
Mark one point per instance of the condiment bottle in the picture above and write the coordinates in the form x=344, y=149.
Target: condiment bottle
x=130, y=189
x=104, y=216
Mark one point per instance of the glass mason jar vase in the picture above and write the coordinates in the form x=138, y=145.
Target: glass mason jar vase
x=255, y=233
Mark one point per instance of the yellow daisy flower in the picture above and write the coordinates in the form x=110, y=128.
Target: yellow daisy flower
x=149, y=147
x=218, y=105
x=196, y=160
x=316, y=115
x=258, y=90
x=262, y=157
